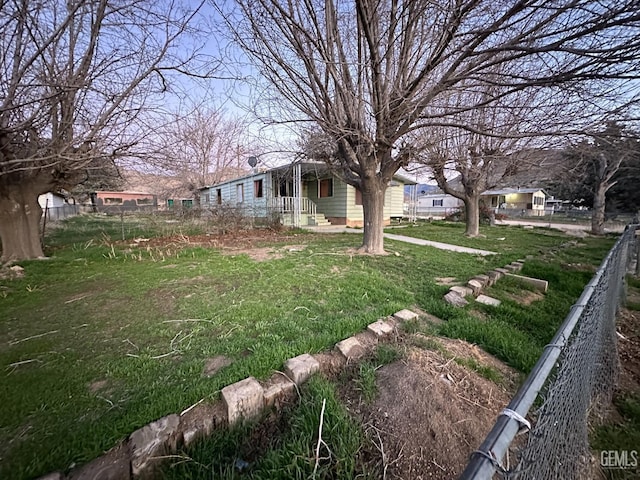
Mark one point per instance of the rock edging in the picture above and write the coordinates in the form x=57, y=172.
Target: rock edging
x=143, y=451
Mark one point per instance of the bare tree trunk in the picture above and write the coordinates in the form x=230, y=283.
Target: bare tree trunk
x=20, y=215
x=472, y=209
x=373, y=208
x=597, y=217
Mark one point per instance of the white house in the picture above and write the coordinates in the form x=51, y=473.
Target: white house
x=301, y=193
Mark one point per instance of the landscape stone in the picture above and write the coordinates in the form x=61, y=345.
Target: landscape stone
x=380, y=328
x=455, y=299
x=483, y=279
x=462, y=291
x=113, y=465
x=280, y=389
x=201, y=419
x=350, y=348
x=475, y=286
x=405, y=315
x=511, y=268
x=485, y=300
x=518, y=265
x=503, y=271
x=300, y=368
x=156, y=438
x=494, y=276
x=541, y=285
x=244, y=399
x=52, y=476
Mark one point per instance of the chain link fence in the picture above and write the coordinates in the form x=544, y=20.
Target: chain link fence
x=570, y=385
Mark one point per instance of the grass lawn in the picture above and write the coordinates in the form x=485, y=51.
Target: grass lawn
x=108, y=335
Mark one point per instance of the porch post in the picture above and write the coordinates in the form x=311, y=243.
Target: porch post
x=297, y=192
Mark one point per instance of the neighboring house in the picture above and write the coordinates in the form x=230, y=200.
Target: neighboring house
x=56, y=206
x=52, y=200
x=437, y=204
x=509, y=201
x=123, y=201
x=528, y=202
x=301, y=193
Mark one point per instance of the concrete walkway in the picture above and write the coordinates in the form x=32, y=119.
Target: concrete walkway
x=440, y=245
x=404, y=238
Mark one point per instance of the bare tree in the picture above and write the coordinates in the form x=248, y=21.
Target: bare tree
x=477, y=148
x=596, y=163
x=366, y=72
x=76, y=80
x=204, y=147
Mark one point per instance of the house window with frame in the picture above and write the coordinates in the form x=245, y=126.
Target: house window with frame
x=240, y=193
x=325, y=188
x=219, y=196
x=257, y=189
x=438, y=203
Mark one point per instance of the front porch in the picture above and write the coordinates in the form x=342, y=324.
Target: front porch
x=297, y=211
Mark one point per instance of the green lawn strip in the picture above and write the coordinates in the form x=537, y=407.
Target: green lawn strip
x=504, y=239
x=290, y=451
x=120, y=337
x=517, y=333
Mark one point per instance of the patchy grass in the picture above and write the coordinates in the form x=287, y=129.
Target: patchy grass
x=622, y=437
x=108, y=335
x=292, y=451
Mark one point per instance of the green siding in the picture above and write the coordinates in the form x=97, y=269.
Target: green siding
x=334, y=206
x=394, y=201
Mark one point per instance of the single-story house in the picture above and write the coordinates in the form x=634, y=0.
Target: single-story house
x=522, y=201
x=52, y=200
x=509, y=201
x=437, y=204
x=104, y=201
x=301, y=193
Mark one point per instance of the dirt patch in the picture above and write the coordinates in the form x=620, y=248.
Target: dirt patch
x=430, y=414
x=629, y=350
x=525, y=297
x=98, y=385
x=215, y=364
x=446, y=281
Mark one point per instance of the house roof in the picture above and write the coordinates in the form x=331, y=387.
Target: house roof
x=306, y=167
x=508, y=191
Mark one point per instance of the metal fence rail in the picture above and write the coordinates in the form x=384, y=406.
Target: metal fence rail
x=573, y=379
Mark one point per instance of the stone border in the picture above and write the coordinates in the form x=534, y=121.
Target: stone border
x=456, y=295
x=144, y=450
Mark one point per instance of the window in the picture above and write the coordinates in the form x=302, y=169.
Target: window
x=538, y=200
x=144, y=201
x=187, y=203
x=169, y=202
x=257, y=189
x=112, y=201
x=207, y=198
x=326, y=188
x=219, y=196
x=358, y=197
x=438, y=203
x=240, y=193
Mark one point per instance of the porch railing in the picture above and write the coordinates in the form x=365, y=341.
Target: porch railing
x=287, y=205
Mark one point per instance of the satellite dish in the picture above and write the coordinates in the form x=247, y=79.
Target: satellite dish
x=253, y=161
